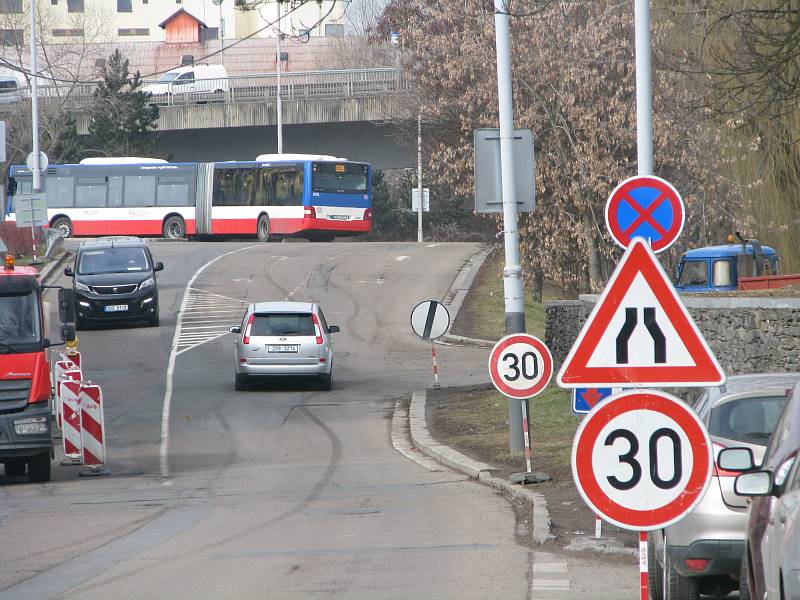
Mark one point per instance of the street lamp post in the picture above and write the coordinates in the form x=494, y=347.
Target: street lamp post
x=221, y=32
x=278, y=102
x=36, y=170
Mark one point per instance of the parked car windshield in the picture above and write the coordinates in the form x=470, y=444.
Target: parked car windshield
x=168, y=76
x=19, y=321
x=282, y=324
x=112, y=260
x=749, y=420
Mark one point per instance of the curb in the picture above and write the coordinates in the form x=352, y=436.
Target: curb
x=422, y=441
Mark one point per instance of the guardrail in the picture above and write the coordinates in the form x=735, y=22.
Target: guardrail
x=245, y=88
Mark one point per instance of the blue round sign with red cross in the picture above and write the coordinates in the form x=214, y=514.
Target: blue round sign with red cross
x=647, y=207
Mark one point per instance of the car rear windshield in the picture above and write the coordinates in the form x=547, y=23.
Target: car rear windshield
x=749, y=420
x=112, y=260
x=282, y=324
x=340, y=178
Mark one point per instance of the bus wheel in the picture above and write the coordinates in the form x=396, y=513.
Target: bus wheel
x=63, y=225
x=262, y=229
x=174, y=228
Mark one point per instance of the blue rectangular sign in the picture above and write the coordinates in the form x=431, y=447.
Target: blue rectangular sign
x=585, y=399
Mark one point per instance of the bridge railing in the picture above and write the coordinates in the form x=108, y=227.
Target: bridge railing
x=245, y=88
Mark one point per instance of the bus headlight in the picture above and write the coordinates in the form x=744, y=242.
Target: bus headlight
x=31, y=426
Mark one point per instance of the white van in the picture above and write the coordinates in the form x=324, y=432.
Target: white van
x=11, y=85
x=191, y=82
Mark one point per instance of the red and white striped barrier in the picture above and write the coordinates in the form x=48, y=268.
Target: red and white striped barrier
x=65, y=370
x=75, y=357
x=69, y=392
x=92, y=429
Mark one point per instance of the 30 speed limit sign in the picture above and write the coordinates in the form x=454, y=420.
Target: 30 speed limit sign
x=642, y=460
x=520, y=365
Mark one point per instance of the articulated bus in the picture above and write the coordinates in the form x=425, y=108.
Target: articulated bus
x=312, y=196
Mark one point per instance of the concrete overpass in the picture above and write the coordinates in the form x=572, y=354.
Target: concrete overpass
x=351, y=113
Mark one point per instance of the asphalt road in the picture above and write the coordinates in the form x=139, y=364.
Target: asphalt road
x=282, y=491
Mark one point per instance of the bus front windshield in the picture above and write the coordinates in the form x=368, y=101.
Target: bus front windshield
x=112, y=260
x=19, y=321
x=340, y=178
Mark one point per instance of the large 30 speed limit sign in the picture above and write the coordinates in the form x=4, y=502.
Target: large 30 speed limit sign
x=520, y=365
x=642, y=460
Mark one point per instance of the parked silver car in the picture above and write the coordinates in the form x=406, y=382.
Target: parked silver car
x=704, y=550
x=283, y=339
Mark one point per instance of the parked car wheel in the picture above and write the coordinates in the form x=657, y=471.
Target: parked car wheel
x=240, y=382
x=153, y=321
x=679, y=587
x=39, y=468
x=326, y=381
x=655, y=573
x=744, y=578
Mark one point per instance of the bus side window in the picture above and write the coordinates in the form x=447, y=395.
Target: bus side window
x=115, y=192
x=90, y=192
x=59, y=191
x=288, y=186
x=140, y=190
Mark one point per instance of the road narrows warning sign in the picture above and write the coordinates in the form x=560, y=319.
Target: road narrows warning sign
x=640, y=334
x=642, y=460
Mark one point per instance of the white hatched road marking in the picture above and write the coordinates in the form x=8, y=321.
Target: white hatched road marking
x=206, y=318
x=544, y=576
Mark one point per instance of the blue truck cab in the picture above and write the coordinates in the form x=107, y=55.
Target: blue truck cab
x=718, y=268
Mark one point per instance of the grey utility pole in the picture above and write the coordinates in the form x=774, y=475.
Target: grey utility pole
x=512, y=273
x=279, y=107
x=419, y=177
x=37, y=172
x=221, y=32
x=644, y=96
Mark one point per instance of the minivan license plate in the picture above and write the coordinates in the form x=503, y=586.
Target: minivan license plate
x=116, y=308
x=283, y=348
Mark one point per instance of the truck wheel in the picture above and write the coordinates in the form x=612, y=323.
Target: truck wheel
x=15, y=468
x=64, y=225
x=174, y=228
x=39, y=468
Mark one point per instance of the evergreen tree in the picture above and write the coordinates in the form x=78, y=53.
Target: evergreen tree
x=121, y=120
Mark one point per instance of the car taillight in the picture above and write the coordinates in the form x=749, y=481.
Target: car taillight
x=368, y=214
x=246, y=336
x=697, y=564
x=309, y=212
x=317, y=328
x=719, y=472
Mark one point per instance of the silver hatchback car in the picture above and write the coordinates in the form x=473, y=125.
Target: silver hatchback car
x=702, y=553
x=283, y=339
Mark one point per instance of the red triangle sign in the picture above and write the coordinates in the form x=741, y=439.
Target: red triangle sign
x=640, y=333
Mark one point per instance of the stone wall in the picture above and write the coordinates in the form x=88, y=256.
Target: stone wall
x=748, y=335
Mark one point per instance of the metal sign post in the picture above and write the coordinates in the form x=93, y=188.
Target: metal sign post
x=520, y=367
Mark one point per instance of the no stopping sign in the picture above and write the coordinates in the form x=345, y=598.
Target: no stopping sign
x=642, y=460
x=520, y=365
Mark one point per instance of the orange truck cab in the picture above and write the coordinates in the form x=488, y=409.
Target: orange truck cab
x=26, y=440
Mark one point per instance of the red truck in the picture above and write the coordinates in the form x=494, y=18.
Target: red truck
x=26, y=437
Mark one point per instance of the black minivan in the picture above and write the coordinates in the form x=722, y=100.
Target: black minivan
x=114, y=280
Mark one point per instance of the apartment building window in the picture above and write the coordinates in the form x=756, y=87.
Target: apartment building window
x=124, y=6
x=11, y=37
x=133, y=31
x=67, y=32
x=10, y=6
x=75, y=6
x=209, y=33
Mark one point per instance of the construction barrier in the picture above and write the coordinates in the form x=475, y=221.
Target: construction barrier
x=75, y=357
x=93, y=439
x=65, y=370
x=70, y=394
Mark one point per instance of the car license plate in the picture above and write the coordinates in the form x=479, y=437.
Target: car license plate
x=116, y=308
x=340, y=217
x=283, y=348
